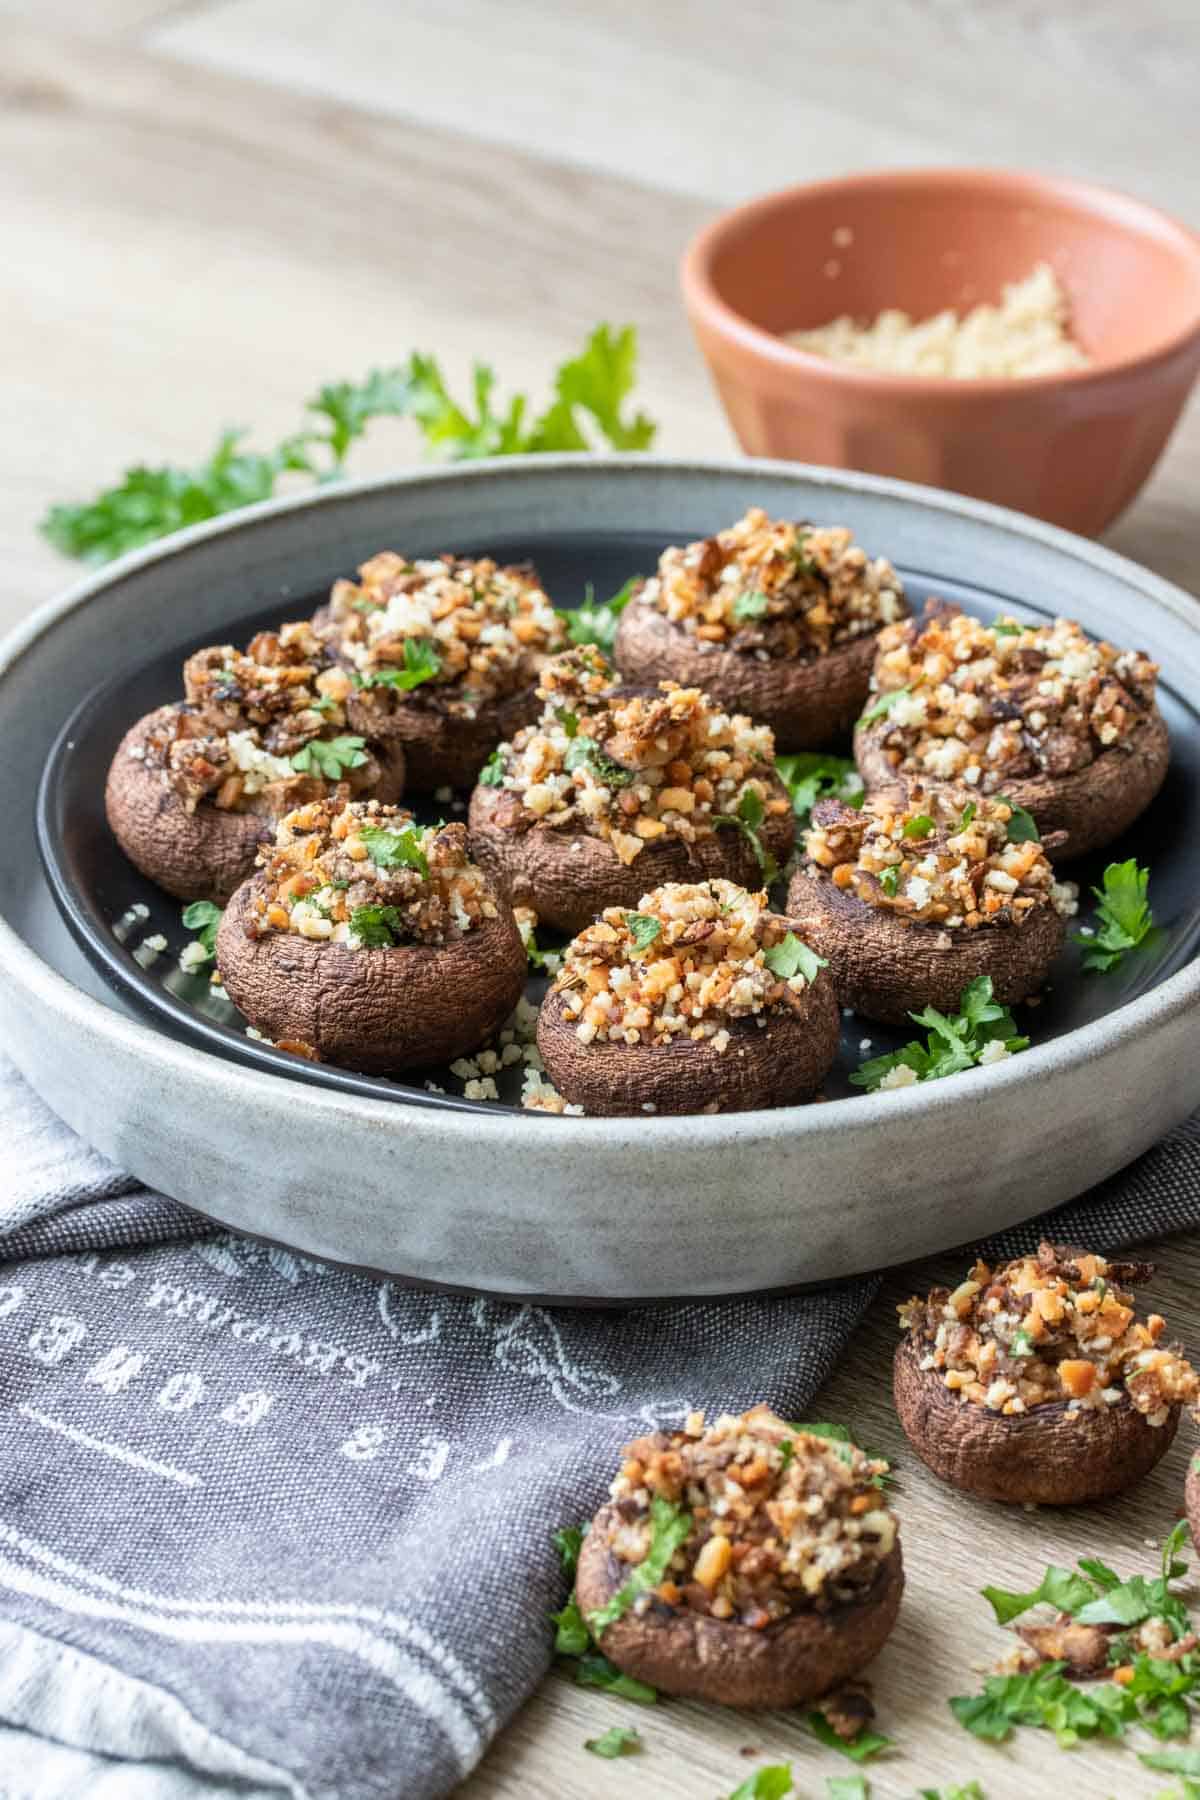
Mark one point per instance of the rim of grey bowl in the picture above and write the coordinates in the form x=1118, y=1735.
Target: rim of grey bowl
x=1019, y=1075
x=696, y=279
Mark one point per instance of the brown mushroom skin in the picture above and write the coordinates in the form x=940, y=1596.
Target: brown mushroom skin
x=1045, y=1457
x=379, y=1011
x=687, y=1653
x=442, y=748
x=1191, y=1498
x=886, y=970
x=809, y=705
x=200, y=855
x=568, y=876
x=779, y=1064
x=1093, y=805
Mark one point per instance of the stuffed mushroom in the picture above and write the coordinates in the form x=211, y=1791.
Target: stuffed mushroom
x=699, y=1000
x=909, y=902
x=746, y=1562
x=614, y=791
x=1034, y=1381
x=775, y=619
x=196, y=786
x=373, y=939
x=1060, y=725
x=444, y=656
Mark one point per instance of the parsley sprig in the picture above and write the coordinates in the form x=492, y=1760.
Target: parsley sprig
x=883, y=704
x=1123, y=915
x=596, y=621
x=421, y=663
x=669, y=1527
x=330, y=757
x=572, y=1637
x=588, y=406
x=203, y=918
x=810, y=776
x=794, y=957
x=395, y=849
x=772, y=1782
x=749, y=819
x=953, y=1043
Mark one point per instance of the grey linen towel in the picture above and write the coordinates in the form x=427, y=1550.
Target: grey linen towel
x=270, y=1528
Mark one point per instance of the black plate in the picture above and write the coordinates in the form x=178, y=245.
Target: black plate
x=95, y=887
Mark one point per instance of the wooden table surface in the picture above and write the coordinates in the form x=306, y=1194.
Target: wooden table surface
x=212, y=206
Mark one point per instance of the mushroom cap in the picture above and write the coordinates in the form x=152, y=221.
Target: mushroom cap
x=809, y=704
x=1093, y=805
x=776, y=1064
x=443, y=748
x=378, y=1010
x=684, y=1652
x=568, y=876
x=885, y=969
x=200, y=855
x=1047, y=1456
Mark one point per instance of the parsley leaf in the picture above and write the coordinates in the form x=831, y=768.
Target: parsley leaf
x=810, y=776
x=1060, y=1588
x=376, y=927
x=571, y=1635
x=1173, y=1762
x=643, y=929
x=568, y=720
x=421, y=663
x=750, y=605
x=330, y=757
x=968, y=813
x=1043, y=1698
x=847, y=1787
x=793, y=957
x=203, y=917
x=668, y=1530
x=1022, y=827
x=772, y=1782
x=618, y=1740
x=568, y=1541
x=595, y=1670
x=395, y=849
x=919, y=827
x=148, y=503
x=749, y=817
x=972, y=1791
x=883, y=705
x=596, y=622
x=585, y=753
x=889, y=880
x=858, y=1749
x=953, y=1043
x=1123, y=914
x=492, y=772
x=1007, y=628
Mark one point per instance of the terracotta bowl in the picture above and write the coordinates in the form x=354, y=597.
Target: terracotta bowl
x=1073, y=448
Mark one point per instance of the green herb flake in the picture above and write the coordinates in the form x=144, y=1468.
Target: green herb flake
x=889, y=880
x=1123, y=917
x=772, y=1782
x=971, y=1791
x=492, y=772
x=568, y=720
x=953, y=1043
x=1060, y=1588
x=858, y=1749
x=847, y=1787
x=968, y=813
x=594, y=1670
x=330, y=757
x=1022, y=1344
x=618, y=1740
x=920, y=827
x=376, y=927
x=750, y=605
x=810, y=776
x=203, y=917
x=884, y=704
x=571, y=1635
x=568, y=1541
x=669, y=1528
x=1022, y=827
x=585, y=753
x=1007, y=628
x=421, y=663
x=643, y=928
x=395, y=849
x=595, y=622
x=793, y=957
x=748, y=820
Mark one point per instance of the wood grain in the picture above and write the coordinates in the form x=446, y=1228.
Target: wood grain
x=211, y=208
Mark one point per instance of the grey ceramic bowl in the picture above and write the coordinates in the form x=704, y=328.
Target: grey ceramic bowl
x=582, y=1210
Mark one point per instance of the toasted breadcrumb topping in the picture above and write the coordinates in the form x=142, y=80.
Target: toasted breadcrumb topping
x=1058, y=1326
x=689, y=962
x=630, y=768
x=246, y=715
x=774, y=588
x=781, y=1521
x=943, y=858
x=488, y=627
x=368, y=876
x=988, y=704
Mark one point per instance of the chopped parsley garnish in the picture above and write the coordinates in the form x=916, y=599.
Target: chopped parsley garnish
x=748, y=819
x=1175, y=1762
x=668, y=1530
x=847, y=1787
x=595, y=1670
x=421, y=663
x=148, y=503
x=953, y=1043
x=972, y=1791
x=920, y=827
x=889, y=880
x=395, y=849
x=595, y=622
x=1124, y=918
x=810, y=776
x=330, y=757
x=968, y=813
x=568, y=720
x=1021, y=1344
x=1046, y=1699
x=643, y=929
x=1022, y=827
x=858, y=1749
x=793, y=957
x=618, y=1740
x=843, y=1441
x=772, y=1782
x=492, y=772
x=571, y=1635
x=376, y=927
x=203, y=917
x=1060, y=1588
x=585, y=753
x=1007, y=628
x=573, y=1638
x=750, y=605
x=325, y=703
x=884, y=704
x=801, y=558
